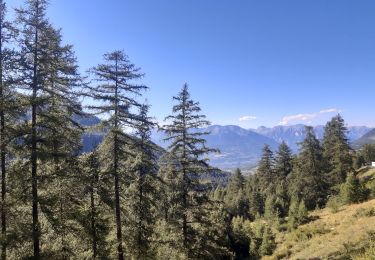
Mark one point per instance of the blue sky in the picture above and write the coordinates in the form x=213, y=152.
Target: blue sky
x=247, y=62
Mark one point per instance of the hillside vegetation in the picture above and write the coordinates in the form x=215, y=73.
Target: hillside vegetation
x=344, y=234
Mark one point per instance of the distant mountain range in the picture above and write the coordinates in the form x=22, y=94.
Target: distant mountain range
x=294, y=134
x=242, y=147
x=368, y=138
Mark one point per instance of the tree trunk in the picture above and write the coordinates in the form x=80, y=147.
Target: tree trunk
x=93, y=224
x=2, y=152
x=34, y=156
x=117, y=182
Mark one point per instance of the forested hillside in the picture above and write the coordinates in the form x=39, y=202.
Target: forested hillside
x=125, y=197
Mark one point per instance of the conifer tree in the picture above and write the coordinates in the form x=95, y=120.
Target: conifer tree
x=268, y=242
x=352, y=191
x=115, y=93
x=308, y=180
x=48, y=73
x=94, y=205
x=142, y=191
x=9, y=110
x=283, y=161
x=189, y=150
x=265, y=172
x=235, y=196
x=337, y=151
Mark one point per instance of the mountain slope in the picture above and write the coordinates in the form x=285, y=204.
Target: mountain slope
x=294, y=134
x=238, y=147
x=331, y=235
x=368, y=138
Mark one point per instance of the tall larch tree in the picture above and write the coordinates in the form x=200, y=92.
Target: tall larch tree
x=94, y=206
x=189, y=150
x=308, y=181
x=142, y=191
x=266, y=170
x=49, y=77
x=114, y=94
x=34, y=34
x=337, y=151
x=9, y=109
x=283, y=161
x=62, y=137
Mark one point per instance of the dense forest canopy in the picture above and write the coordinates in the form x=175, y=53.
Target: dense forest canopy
x=129, y=198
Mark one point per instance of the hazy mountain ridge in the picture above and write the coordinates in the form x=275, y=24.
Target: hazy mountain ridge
x=240, y=147
x=294, y=134
x=368, y=138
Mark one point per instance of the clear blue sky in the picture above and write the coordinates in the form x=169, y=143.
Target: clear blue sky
x=281, y=61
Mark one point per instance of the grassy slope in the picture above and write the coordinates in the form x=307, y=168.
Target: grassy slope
x=331, y=235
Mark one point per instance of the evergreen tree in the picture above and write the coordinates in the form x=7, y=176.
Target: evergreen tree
x=49, y=75
x=236, y=182
x=283, y=161
x=282, y=198
x=115, y=95
x=308, y=180
x=142, y=193
x=8, y=112
x=337, y=151
x=94, y=206
x=268, y=242
x=265, y=172
x=189, y=150
x=352, y=191
x=235, y=196
x=368, y=153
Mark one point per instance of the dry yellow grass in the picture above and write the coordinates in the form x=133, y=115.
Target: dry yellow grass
x=366, y=172
x=330, y=235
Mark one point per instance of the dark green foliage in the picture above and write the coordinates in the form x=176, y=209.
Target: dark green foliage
x=114, y=93
x=337, y=152
x=9, y=110
x=141, y=194
x=93, y=209
x=353, y=191
x=266, y=170
x=359, y=161
x=235, y=198
x=268, y=243
x=283, y=161
x=368, y=153
x=185, y=188
x=308, y=179
x=298, y=214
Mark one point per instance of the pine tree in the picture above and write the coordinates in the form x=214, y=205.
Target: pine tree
x=94, y=206
x=308, y=180
x=337, y=151
x=115, y=96
x=235, y=199
x=352, y=191
x=9, y=110
x=283, y=161
x=265, y=171
x=268, y=242
x=189, y=150
x=48, y=73
x=142, y=191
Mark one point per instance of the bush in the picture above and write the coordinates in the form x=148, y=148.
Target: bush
x=353, y=191
x=362, y=212
x=268, y=243
x=334, y=204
